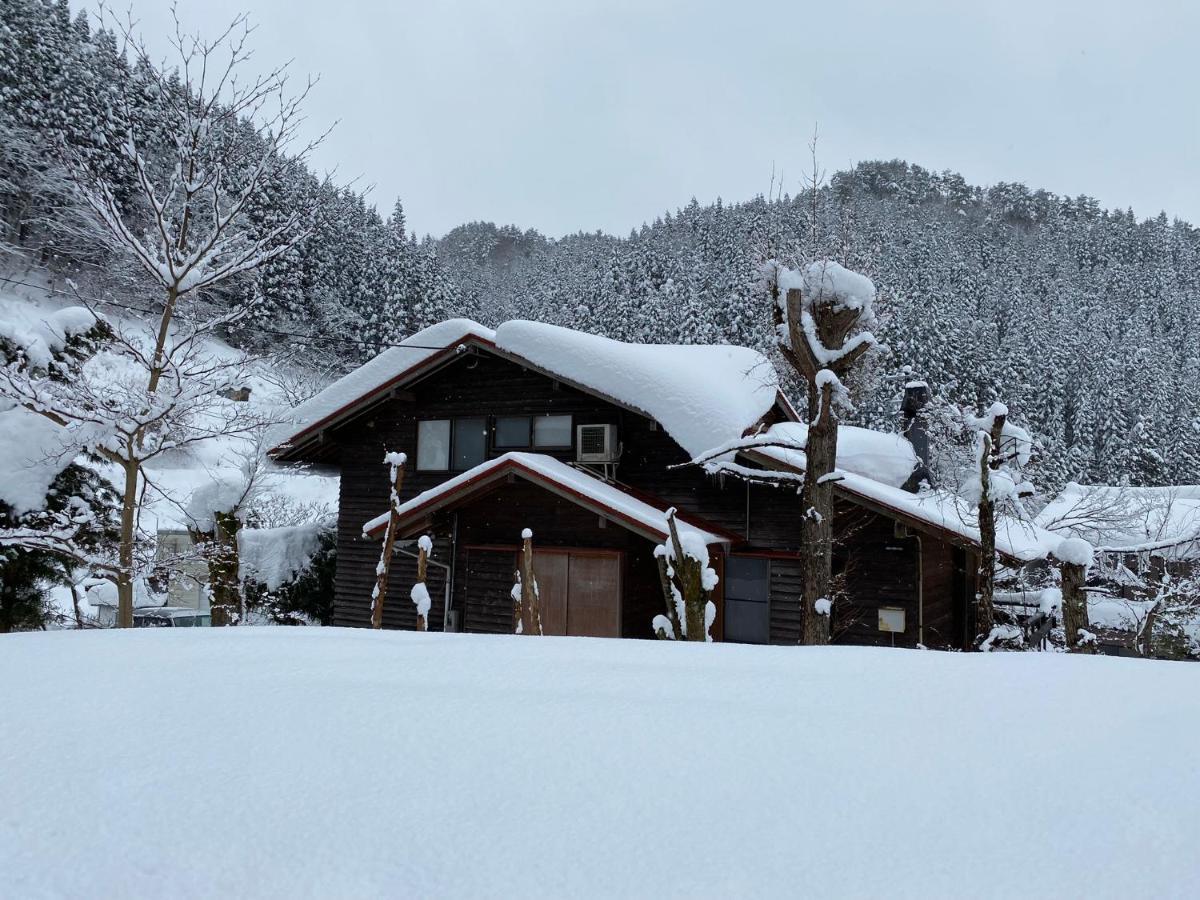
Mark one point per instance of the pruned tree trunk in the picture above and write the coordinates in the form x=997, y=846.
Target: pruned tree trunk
x=531, y=611
x=817, y=525
x=396, y=463
x=831, y=326
x=422, y=565
x=221, y=556
x=1074, y=605
x=985, y=602
x=683, y=575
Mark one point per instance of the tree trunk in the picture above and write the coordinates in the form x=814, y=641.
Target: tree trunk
x=1074, y=604
x=221, y=554
x=160, y=343
x=817, y=524
x=989, y=460
x=125, y=553
x=530, y=601
x=379, y=593
x=422, y=568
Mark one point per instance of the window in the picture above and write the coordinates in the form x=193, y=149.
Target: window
x=552, y=431
x=512, y=431
x=470, y=443
x=433, y=445
x=747, y=600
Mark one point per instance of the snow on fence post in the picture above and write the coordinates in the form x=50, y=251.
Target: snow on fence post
x=525, y=594
x=687, y=583
x=420, y=593
x=395, y=463
x=1075, y=557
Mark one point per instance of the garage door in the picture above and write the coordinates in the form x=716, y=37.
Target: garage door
x=580, y=592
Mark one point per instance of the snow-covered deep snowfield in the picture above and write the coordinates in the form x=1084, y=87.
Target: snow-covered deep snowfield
x=335, y=763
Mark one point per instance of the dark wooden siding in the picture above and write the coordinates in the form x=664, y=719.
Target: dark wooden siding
x=880, y=568
x=943, y=611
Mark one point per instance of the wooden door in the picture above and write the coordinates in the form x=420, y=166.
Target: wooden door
x=594, y=603
x=580, y=592
x=551, y=571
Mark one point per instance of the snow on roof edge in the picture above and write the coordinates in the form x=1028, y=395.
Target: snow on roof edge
x=375, y=374
x=607, y=495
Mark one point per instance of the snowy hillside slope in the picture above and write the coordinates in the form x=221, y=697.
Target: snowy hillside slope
x=339, y=763
x=174, y=477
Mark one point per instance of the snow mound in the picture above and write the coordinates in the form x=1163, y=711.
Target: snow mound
x=886, y=458
x=31, y=456
x=826, y=281
x=275, y=556
x=49, y=334
x=615, y=712
x=1075, y=551
x=702, y=395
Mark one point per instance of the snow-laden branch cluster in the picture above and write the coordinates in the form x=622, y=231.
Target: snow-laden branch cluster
x=817, y=309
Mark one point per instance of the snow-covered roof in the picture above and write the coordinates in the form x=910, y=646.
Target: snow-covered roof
x=1160, y=520
x=881, y=456
x=872, y=466
x=385, y=370
x=702, y=395
x=546, y=471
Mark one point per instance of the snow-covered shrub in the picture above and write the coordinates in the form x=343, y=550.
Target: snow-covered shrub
x=297, y=589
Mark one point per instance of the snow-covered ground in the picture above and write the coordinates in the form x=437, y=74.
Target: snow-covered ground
x=291, y=762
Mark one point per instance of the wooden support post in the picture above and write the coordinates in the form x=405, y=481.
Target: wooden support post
x=395, y=463
x=530, y=600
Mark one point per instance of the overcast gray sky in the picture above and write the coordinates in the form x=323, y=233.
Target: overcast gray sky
x=581, y=114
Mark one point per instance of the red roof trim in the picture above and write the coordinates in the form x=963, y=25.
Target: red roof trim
x=428, y=362
x=475, y=485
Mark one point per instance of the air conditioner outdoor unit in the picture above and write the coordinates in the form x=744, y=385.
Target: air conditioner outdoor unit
x=596, y=443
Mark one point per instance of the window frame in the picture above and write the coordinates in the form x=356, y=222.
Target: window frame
x=570, y=431
x=766, y=561
x=485, y=431
x=449, y=444
x=496, y=433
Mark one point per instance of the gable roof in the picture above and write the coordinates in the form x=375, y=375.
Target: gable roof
x=702, y=395
x=633, y=513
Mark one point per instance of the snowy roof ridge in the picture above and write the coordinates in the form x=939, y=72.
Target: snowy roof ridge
x=618, y=503
x=702, y=394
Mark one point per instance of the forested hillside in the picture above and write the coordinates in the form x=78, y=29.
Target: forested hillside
x=1082, y=320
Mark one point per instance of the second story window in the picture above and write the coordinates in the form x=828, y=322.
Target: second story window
x=552, y=431
x=470, y=443
x=433, y=445
x=512, y=431
x=445, y=445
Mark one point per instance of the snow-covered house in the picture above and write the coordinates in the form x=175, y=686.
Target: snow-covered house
x=588, y=441
x=1140, y=533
